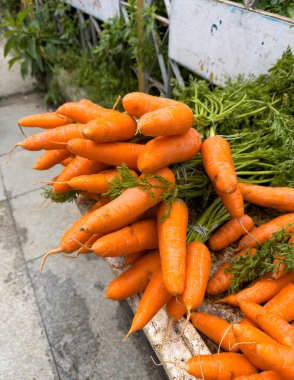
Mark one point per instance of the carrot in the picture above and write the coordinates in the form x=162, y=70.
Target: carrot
x=234, y=203
x=116, y=127
x=44, y=120
x=127, y=207
x=281, y=198
x=154, y=298
x=96, y=183
x=52, y=138
x=265, y=375
x=277, y=358
x=221, y=280
x=132, y=258
x=67, y=161
x=135, y=279
x=218, y=163
x=175, y=309
x=246, y=338
x=266, y=231
x=172, y=244
x=77, y=167
x=260, y=292
x=222, y=366
x=163, y=151
x=158, y=116
x=230, y=232
x=70, y=240
x=110, y=153
x=51, y=158
x=83, y=111
x=197, y=275
x=216, y=329
x=133, y=238
x=269, y=322
x=283, y=303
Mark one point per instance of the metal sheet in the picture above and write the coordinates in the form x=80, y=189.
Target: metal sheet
x=101, y=9
x=217, y=39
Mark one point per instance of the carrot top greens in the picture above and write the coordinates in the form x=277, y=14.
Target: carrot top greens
x=247, y=268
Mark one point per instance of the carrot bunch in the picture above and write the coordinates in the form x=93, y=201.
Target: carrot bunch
x=162, y=207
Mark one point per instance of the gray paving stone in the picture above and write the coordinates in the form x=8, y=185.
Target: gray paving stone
x=18, y=175
x=2, y=193
x=85, y=329
x=11, y=111
x=40, y=226
x=24, y=348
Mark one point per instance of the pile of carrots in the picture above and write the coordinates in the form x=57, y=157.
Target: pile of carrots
x=147, y=223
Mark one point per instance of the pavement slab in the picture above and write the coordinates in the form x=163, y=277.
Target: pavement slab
x=18, y=175
x=40, y=225
x=2, y=191
x=12, y=109
x=84, y=328
x=24, y=350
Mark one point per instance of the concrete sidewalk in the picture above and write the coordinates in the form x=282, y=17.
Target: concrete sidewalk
x=56, y=324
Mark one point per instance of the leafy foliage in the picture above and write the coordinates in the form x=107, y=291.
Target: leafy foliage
x=247, y=268
x=66, y=197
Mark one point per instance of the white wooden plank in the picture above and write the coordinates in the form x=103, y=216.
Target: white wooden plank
x=218, y=39
x=101, y=9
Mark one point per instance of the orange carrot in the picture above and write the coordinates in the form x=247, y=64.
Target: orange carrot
x=277, y=358
x=247, y=337
x=77, y=167
x=51, y=158
x=70, y=240
x=134, y=238
x=265, y=375
x=116, y=127
x=197, y=275
x=135, y=279
x=52, y=138
x=133, y=257
x=163, y=151
x=83, y=111
x=223, y=366
x=218, y=163
x=233, y=203
x=260, y=292
x=221, y=280
x=158, y=116
x=175, y=308
x=153, y=299
x=283, y=303
x=172, y=244
x=281, y=198
x=110, y=153
x=266, y=231
x=230, y=232
x=127, y=207
x=96, y=183
x=269, y=322
x=67, y=161
x=44, y=120
x=216, y=329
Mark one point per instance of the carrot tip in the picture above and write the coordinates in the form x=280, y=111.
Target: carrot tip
x=54, y=251
x=20, y=127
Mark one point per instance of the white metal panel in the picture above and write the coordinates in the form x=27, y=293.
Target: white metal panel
x=217, y=39
x=101, y=9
